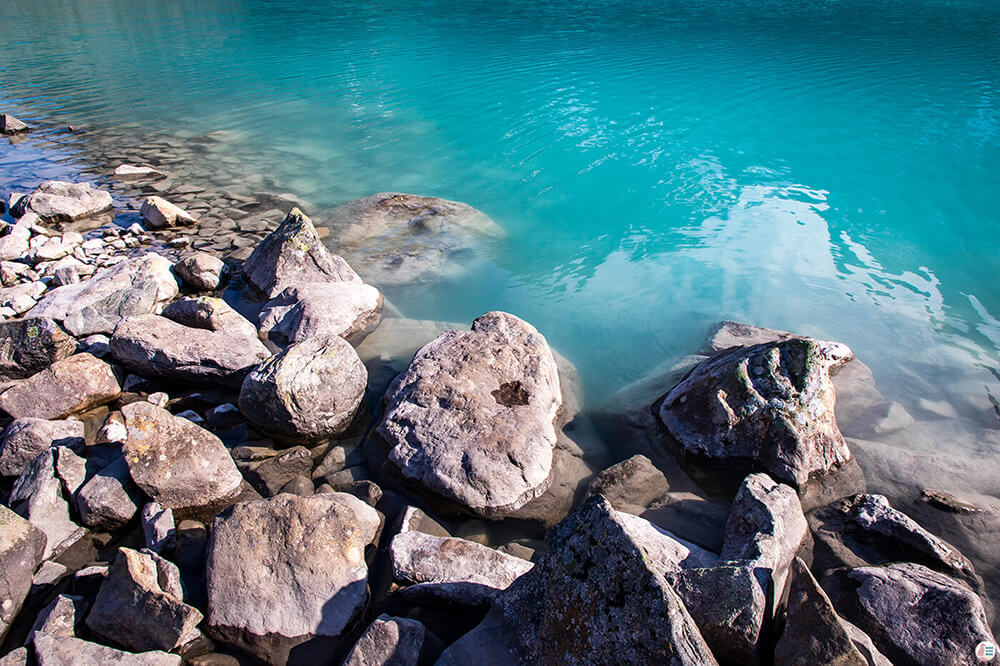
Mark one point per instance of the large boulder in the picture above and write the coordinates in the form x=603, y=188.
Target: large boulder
x=388, y=641
x=38, y=495
x=768, y=407
x=404, y=238
x=57, y=201
x=915, y=616
x=310, y=391
x=175, y=462
x=25, y=438
x=156, y=346
x=293, y=254
x=594, y=597
x=348, y=309
x=302, y=562
x=54, y=650
x=28, y=346
x=72, y=385
x=472, y=419
x=22, y=547
x=140, y=605
x=140, y=285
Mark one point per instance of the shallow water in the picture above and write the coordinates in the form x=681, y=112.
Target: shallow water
x=828, y=168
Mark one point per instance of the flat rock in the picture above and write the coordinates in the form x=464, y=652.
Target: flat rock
x=72, y=385
x=140, y=285
x=56, y=201
x=769, y=406
x=404, y=238
x=348, y=309
x=158, y=213
x=22, y=548
x=156, y=346
x=915, y=616
x=127, y=172
x=472, y=420
x=814, y=633
x=25, y=438
x=28, y=346
x=301, y=559
x=201, y=271
x=594, y=597
x=11, y=125
x=291, y=255
x=175, y=462
x=109, y=499
x=139, y=606
x=52, y=650
x=388, y=641
x=38, y=496
x=310, y=391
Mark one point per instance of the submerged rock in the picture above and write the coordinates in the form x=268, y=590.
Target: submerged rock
x=293, y=254
x=28, y=346
x=56, y=201
x=348, y=309
x=72, y=385
x=404, y=238
x=310, y=391
x=472, y=420
x=301, y=559
x=25, y=438
x=769, y=406
x=593, y=598
x=22, y=549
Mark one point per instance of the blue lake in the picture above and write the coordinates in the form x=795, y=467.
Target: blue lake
x=829, y=168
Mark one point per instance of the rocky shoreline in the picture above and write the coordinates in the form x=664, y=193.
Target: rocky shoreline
x=223, y=445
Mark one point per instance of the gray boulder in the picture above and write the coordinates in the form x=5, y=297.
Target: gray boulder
x=28, y=346
x=159, y=347
x=593, y=598
x=293, y=254
x=25, y=438
x=452, y=569
x=22, y=549
x=53, y=650
x=301, y=560
x=769, y=406
x=915, y=616
x=201, y=271
x=110, y=498
x=61, y=617
x=404, y=238
x=38, y=496
x=348, y=309
x=139, y=606
x=210, y=314
x=158, y=213
x=56, y=201
x=472, y=419
x=814, y=633
x=140, y=285
x=175, y=462
x=310, y=391
x=388, y=641
x=11, y=125
x=72, y=385
x=632, y=486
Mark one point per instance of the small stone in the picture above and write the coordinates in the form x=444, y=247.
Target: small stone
x=201, y=271
x=160, y=399
x=158, y=528
x=270, y=475
x=159, y=213
x=388, y=641
x=128, y=172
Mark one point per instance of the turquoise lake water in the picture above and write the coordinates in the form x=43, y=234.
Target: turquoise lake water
x=830, y=168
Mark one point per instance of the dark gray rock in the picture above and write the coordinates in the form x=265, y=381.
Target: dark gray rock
x=28, y=346
x=175, y=462
x=159, y=347
x=632, y=486
x=52, y=650
x=404, y=238
x=814, y=633
x=25, y=438
x=472, y=420
x=303, y=487
x=61, y=617
x=308, y=392
x=348, y=309
x=303, y=560
x=270, y=475
x=388, y=641
x=201, y=271
x=22, y=547
x=56, y=201
x=593, y=598
x=865, y=646
x=72, y=385
x=293, y=254
x=38, y=496
x=769, y=406
x=915, y=616
x=140, y=285
x=139, y=608
x=11, y=125
x=109, y=499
